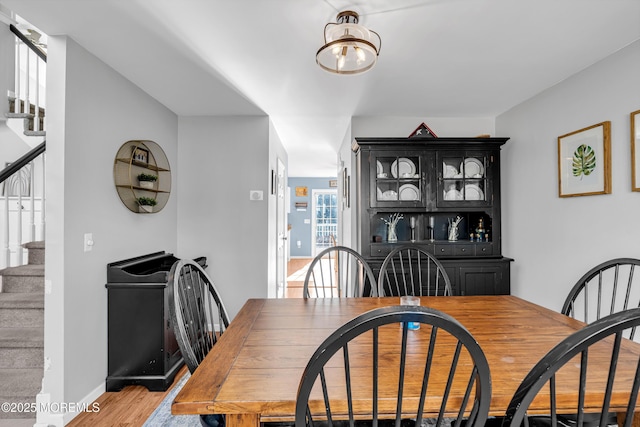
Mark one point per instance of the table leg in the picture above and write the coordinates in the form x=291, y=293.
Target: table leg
x=623, y=415
x=242, y=420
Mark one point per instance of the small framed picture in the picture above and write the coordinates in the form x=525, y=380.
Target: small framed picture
x=584, y=161
x=140, y=155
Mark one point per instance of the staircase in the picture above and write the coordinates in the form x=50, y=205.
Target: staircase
x=32, y=120
x=22, y=215
x=22, y=335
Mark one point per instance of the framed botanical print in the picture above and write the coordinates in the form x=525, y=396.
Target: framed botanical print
x=635, y=151
x=584, y=161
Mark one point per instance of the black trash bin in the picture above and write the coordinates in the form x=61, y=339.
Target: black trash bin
x=141, y=344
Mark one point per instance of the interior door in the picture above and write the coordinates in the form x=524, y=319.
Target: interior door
x=281, y=230
x=324, y=220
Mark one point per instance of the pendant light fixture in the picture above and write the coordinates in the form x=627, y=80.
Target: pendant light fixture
x=349, y=48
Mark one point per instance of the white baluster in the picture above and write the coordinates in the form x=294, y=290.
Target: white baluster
x=36, y=118
x=19, y=224
x=42, y=199
x=16, y=105
x=5, y=244
x=27, y=80
x=32, y=211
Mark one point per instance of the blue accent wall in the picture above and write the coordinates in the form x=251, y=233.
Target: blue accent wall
x=299, y=230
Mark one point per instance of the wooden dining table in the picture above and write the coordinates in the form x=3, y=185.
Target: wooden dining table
x=253, y=372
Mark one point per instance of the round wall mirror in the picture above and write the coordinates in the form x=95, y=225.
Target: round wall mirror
x=142, y=176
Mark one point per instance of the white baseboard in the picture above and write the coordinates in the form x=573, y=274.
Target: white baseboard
x=91, y=397
x=47, y=419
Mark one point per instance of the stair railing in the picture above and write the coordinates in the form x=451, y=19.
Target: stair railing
x=18, y=180
x=18, y=185
x=30, y=62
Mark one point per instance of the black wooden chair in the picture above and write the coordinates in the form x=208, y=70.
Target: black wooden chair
x=354, y=375
x=408, y=270
x=573, y=352
x=198, y=317
x=605, y=289
x=338, y=272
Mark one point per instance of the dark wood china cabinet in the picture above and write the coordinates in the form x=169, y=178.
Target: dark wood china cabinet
x=434, y=183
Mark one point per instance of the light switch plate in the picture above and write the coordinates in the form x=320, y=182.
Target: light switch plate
x=88, y=242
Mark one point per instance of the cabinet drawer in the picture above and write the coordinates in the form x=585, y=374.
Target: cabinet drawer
x=484, y=249
x=443, y=250
x=381, y=250
x=464, y=250
x=455, y=249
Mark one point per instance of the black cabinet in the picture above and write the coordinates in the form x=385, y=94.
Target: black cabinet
x=479, y=276
x=432, y=183
x=142, y=348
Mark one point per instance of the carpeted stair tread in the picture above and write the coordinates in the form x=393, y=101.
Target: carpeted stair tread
x=18, y=115
x=21, y=300
x=25, y=422
x=21, y=338
x=34, y=245
x=20, y=382
x=24, y=270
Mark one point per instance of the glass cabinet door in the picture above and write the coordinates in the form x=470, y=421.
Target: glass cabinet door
x=397, y=180
x=464, y=179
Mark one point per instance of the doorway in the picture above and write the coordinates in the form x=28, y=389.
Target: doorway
x=324, y=220
x=282, y=251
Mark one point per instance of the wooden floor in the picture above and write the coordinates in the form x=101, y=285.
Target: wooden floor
x=295, y=280
x=131, y=406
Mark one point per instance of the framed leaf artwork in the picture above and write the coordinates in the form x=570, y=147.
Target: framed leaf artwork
x=635, y=151
x=584, y=161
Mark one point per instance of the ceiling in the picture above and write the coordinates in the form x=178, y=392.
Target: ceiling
x=439, y=58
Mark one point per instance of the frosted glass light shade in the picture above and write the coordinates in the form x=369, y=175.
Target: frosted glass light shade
x=349, y=48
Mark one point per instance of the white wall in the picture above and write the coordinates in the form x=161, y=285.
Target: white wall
x=553, y=240
x=220, y=160
x=276, y=151
x=347, y=232
x=92, y=111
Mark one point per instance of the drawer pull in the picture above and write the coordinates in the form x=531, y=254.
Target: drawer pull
x=464, y=249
